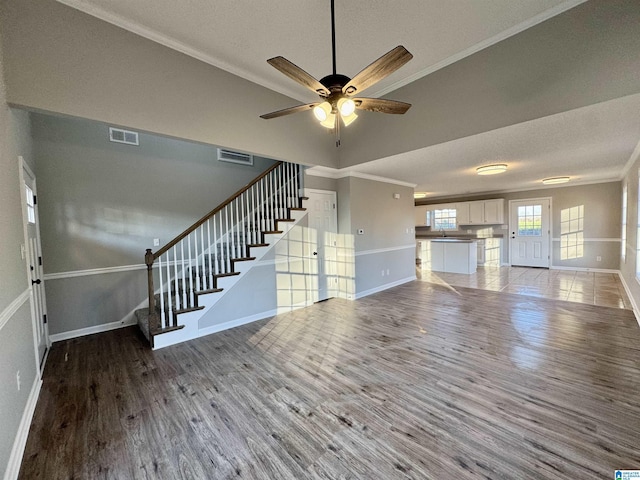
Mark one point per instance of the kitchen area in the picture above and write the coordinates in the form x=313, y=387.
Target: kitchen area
x=461, y=236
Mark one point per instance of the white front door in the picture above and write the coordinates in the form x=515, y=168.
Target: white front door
x=33, y=254
x=529, y=232
x=323, y=221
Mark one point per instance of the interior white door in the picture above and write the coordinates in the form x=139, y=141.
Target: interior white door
x=323, y=221
x=529, y=232
x=33, y=256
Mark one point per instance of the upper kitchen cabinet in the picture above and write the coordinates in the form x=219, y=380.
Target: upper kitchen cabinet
x=481, y=212
x=421, y=215
x=494, y=211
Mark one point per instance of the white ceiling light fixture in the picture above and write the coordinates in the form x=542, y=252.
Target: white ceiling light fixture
x=492, y=169
x=555, y=180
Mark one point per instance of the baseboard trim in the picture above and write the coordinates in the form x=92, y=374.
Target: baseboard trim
x=20, y=442
x=81, y=332
x=384, y=287
x=13, y=307
x=585, y=269
x=236, y=323
x=634, y=305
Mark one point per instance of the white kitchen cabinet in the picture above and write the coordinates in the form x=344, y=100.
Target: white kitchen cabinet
x=476, y=213
x=462, y=213
x=454, y=256
x=494, y=211
x=421, y=215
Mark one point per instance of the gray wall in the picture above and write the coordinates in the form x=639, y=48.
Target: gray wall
x=16, y=331
x=602, y=210
x=102, y=204
x=586, y=55
x=62, y=60
x=388, y=225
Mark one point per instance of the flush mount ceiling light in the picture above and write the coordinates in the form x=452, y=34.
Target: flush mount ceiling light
x=419, y=194
x=492, y=169
x=555, y=180
x=337, y=91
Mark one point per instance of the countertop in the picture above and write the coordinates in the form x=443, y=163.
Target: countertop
x=454, y=240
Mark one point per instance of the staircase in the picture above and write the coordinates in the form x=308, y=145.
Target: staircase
x=188, y=275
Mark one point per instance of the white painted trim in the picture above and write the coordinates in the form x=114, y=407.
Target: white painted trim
x=94, y=271
x=384, y=287
x=20, y=441
x=584, y=269
x=632, y=159
x=634, y=305
x=336, y=173
x=530, y=22
x=13, y=307
x=593, y=240
x=81, y=332
x=383, y=250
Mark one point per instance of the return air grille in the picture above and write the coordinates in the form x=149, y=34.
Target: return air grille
x=123, y=136
x=235, y=157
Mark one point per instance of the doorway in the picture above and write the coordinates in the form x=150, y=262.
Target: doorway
x=33, y=256
x=530, y=232
x=323, y=219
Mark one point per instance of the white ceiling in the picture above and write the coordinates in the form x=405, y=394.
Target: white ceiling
x=591, y=144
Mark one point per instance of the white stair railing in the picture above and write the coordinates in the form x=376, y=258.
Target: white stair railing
x=190, y=264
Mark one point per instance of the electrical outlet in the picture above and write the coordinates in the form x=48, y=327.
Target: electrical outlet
x=382, y=273
x=598, y=258
x=18, y=379
x=156, y=242
x=387, y=272
x=22, y=251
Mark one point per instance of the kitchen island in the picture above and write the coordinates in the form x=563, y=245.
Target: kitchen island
x=454, y=255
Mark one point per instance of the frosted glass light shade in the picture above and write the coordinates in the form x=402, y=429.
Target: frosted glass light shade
x=491, y=169
x=322, y=111
x=346, y=107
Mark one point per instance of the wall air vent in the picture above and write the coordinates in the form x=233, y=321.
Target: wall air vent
x=123, y=136
x=235, y=157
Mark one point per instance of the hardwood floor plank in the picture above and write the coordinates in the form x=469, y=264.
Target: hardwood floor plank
x=420, y=381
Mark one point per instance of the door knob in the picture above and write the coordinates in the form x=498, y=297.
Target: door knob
x=315, y=253
x=37, y=281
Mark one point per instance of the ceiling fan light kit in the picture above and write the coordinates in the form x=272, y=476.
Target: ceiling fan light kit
x=555, y=180
x=336, y=90
x=492, y=169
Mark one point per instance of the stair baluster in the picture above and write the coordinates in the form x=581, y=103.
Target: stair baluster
x=191, y=263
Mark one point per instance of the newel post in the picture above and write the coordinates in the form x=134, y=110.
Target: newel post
x=148, y=259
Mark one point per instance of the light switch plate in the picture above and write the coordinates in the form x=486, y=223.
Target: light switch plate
x=156, y=242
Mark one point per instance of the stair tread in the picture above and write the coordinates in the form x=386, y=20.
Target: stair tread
x=272, y=231
x=298, y=209
x=243, y=259
x=285, y=220
x=210, y=290
x=160, y=331
x=252, y=245
x=187, y=310
x=228, y=274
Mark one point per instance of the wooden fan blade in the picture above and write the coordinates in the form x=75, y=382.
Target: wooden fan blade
x=381, y=68
x=288, y=111
x=297, y=74
x=381, y=105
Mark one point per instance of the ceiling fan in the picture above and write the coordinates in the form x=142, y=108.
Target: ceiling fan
x=336, y=91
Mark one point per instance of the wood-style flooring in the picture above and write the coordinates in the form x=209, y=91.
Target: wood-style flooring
x=416, y=382
x=595, y=288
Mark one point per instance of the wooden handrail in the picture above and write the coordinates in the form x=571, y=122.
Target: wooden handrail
x=215, y=210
